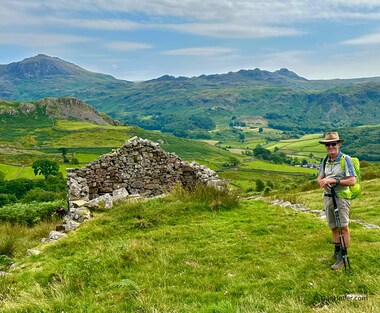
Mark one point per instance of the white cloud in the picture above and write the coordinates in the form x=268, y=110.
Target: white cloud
x=229, y=29
x=277, y=59
x=358, y=3
x=244, y=12
x=341, y=65
x=200, y=51
x=215, y=10
x=214, y=18
x=100, y=24
x=225, y=30
x=9, y=18
x=41, y=40
x=123, y=46
x=370, y=39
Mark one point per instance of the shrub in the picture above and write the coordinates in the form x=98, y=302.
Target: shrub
x=291, y=197
x=40, y=195
x=364, y=163
x=28, y=214
x=370, y=175
x=74, y=161
x=267, y=190
x=311, y=185
x=5, y=262
x=214, y=198
x=260, y=185
x=178, y=192
x=232, y=161
x=41, y=190
x=7, y=245
x=18, y=187
x=270, y=184
x=53, y=183
x=8, y=248
x=7, y=199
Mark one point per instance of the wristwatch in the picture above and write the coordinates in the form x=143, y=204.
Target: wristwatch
x=337, y=181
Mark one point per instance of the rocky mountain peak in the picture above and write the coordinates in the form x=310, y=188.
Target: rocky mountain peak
x=40, y=66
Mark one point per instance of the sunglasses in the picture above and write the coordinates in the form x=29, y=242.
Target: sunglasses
x=331, y=144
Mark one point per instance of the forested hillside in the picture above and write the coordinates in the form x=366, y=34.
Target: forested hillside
x=191, y=107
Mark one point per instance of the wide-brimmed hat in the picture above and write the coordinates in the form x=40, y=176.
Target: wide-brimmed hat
x=332, y=137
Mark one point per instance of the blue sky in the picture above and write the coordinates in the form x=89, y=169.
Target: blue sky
x=145, y=39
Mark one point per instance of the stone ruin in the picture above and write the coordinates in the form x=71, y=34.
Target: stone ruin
x=140, y=167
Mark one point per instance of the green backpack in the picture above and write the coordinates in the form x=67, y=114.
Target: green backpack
x=354, y=191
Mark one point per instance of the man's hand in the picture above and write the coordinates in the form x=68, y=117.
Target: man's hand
x=326, y=182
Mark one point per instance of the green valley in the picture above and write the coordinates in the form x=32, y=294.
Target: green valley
x=205, y=107
x=222, y=250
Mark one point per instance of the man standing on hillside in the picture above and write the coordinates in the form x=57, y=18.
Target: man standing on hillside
x=332, y=175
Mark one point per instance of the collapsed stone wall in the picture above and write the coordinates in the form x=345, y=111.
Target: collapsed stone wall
x=140, y=167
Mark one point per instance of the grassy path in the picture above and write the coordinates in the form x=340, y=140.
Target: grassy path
x=19, y=172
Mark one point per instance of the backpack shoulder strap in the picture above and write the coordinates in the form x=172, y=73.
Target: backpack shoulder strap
x=343, y=161
x=324, y=164
x=352, y=163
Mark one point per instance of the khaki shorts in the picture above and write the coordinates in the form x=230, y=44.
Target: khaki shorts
x=344, y=208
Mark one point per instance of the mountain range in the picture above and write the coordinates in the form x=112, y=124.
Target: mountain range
x=280, y=99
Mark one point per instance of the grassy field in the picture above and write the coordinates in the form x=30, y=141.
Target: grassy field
x=10, y=171
x=66, y=125
x=87, y=142
x=364, y=208
x=183, y=254
x=245, y=181
x=301, y=147
x=14, y=172
x=271, y=167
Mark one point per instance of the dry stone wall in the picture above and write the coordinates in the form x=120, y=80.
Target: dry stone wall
x=140, y=167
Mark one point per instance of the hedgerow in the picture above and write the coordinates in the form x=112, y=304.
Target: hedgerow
x=29, y=213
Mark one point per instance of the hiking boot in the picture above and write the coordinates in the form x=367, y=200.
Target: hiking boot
x=339, y=263
x=336, y=255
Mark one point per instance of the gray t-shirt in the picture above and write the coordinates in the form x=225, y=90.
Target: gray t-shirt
x=333, y=169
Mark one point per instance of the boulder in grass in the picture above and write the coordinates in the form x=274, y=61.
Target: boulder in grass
x=102, y=202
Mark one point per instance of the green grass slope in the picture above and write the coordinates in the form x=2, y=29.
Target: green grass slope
x=364, y=208
x=26, y=138
x=187, y=254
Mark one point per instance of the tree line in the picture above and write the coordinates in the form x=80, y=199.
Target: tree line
x=194, y=126
x=24, y=190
